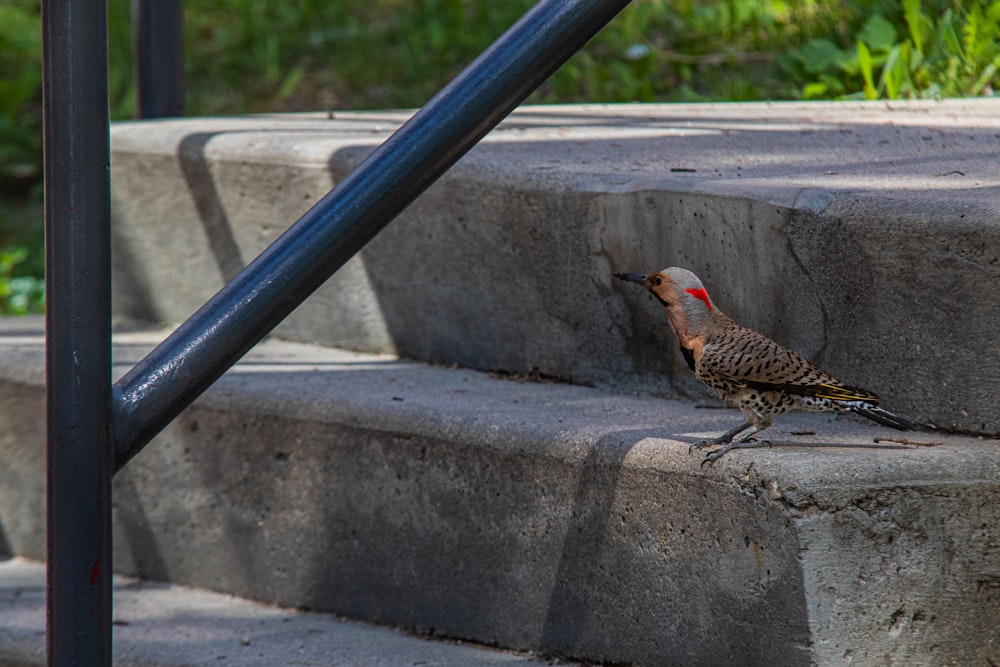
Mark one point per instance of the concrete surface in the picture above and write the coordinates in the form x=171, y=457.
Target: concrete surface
x=545, y=517
x=164, y=625
x=864, y=235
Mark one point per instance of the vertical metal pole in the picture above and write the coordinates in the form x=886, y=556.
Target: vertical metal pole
x=78, y=332
x=158, y=45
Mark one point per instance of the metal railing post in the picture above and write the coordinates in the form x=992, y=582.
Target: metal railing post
x=78, y=332
x=244, y=311
x=93, y=427
x=158, y=48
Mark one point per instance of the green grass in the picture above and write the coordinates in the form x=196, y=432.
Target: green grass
x=252, y=55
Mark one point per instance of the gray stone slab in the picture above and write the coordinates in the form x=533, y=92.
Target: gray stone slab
x=864, y=235
x=165, y=625
x=543, y=517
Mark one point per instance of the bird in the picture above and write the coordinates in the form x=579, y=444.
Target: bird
x=746, y=368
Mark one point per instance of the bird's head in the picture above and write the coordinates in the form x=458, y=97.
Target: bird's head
x=680, y=292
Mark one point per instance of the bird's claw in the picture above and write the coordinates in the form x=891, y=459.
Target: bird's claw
x=716, y=454
x=707, y=443
x=701, y=445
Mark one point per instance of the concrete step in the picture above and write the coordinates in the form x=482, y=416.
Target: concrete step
x=864, y=235
x=560, y=519
x=165, y=625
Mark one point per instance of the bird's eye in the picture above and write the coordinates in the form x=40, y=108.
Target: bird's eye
x=657, y=280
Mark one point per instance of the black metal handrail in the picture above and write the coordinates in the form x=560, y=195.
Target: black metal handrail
x=158, y=50
x=93, y=429
x=78, y=324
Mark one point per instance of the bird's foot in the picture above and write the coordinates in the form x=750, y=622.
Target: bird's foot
x=709, y=443
x=716, y=454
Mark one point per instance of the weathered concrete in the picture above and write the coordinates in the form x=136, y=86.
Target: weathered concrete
x=866, y=236
x=164, y=625
x=542, y=517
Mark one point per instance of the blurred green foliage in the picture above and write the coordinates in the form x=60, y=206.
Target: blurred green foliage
x=907, y=49
x=19, y=294
x=20, y=97
x=258, y=55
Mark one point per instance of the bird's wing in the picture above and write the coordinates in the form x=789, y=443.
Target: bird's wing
x=835, y=392
x=744, y=356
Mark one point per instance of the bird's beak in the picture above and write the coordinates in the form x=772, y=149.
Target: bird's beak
x=632, y=278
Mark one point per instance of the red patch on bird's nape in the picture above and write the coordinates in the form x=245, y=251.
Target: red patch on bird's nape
x=700, y=293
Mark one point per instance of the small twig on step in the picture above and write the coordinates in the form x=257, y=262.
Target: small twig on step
x=907, y=441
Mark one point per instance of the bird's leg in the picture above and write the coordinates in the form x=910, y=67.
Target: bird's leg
x=717, y=454
x=723, y=439
x=745, y=441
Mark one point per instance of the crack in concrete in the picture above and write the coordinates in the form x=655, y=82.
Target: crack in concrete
x=825, y=318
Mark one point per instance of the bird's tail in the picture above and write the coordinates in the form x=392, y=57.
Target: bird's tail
x=878, y=415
